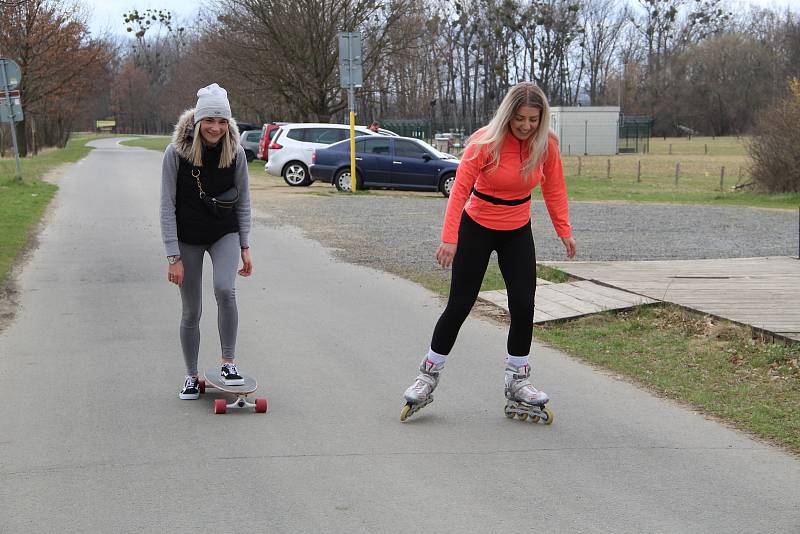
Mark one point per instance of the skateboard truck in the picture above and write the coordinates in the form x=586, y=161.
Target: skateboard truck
x=214, y=381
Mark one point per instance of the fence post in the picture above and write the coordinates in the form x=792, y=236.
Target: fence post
x=670, y=149
x=677, y=171
x=639, y=172
x=706, y=149
x=579, y=165
x=608, y=170
x=721, y=177
x=569, y=150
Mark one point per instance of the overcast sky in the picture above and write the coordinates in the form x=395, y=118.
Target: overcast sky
x=106, y=15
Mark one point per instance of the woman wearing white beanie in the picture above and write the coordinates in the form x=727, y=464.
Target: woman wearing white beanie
x=205, y=207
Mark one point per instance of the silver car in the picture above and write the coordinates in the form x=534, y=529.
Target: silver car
x=292, y=147
x=249, y=141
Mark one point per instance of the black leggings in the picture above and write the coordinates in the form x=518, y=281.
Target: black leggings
x=516, y=257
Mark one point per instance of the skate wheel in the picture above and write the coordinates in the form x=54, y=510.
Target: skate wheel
x=404, y=412
x=201, y=386
x=261, y=405
x=523, y=417
x=509, y=414
x=535, y=418
x=220, y=406
x=549, y=413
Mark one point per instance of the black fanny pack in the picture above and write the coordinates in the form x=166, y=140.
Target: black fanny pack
x=501, y=201
x=219, y=205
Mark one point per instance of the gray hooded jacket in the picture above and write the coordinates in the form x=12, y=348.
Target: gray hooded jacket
x=181, y=147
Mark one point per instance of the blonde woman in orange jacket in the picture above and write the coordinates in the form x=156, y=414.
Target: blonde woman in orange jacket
x=490, y=210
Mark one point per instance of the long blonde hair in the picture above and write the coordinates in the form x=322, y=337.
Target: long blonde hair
x=494, y=133
x=196, y=150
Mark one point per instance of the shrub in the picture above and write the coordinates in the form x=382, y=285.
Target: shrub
x=775, y=145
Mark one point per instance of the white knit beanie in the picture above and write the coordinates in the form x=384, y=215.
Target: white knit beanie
x=212, y=101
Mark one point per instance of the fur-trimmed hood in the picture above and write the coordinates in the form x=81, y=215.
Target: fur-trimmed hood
x=183, y=135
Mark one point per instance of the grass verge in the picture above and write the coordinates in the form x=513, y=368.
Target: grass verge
x=719, y=368
x=23, y=203
x=439, y=281
x=156, y=142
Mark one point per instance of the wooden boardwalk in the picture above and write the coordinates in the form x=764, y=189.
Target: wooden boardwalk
x=569, y=300
x=760, y=292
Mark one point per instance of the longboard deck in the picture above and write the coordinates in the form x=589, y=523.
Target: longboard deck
x=212, y=378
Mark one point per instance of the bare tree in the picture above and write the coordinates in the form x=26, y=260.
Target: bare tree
x=604, y=23
x=62, y=68
x=290, y=48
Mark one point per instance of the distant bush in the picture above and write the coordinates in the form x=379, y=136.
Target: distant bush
x=775, y=145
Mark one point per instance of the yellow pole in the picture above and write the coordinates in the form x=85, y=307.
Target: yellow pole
x=352, y=150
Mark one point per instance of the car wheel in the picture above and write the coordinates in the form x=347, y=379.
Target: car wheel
x=249, y=155
x=343, y=181
x=446, y=184
x=296, y=174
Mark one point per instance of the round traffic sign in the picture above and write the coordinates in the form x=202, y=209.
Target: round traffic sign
x=10, y=74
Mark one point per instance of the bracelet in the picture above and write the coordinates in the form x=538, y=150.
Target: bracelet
x=245, y=248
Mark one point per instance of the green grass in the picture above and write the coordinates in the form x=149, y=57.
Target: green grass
x=651, y=177
x=155, y=142
x=719, y=368
x=439, y=281
x=698, y=177
x=23, y=203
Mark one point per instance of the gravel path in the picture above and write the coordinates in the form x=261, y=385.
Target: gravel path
x=399, y=232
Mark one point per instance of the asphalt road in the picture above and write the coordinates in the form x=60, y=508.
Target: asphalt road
x=94, y=438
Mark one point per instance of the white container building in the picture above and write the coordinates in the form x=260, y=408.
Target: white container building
x=586, y=131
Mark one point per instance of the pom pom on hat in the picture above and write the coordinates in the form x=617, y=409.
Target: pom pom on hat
x=212, y=101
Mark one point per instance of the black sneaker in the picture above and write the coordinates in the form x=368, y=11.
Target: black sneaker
x=191, y=389
x=229, y=375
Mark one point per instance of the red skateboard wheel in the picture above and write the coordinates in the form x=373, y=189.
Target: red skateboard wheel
x=261, y=405
x=220, y=406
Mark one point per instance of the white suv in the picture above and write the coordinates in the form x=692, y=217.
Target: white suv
x=291, y=149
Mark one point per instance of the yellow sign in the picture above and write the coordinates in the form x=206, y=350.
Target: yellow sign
x=107, y=125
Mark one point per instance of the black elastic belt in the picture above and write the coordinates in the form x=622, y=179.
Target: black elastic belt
x=503, y=201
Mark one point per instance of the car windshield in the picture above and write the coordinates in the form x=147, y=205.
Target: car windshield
x=344, y=146
x=437, y=153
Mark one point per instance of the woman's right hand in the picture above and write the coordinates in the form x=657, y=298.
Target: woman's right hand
x=445, y=254
x=175, y=273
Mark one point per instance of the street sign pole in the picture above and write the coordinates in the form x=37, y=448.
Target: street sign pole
x=7, y=89
x=351, y=75
x=351, y=103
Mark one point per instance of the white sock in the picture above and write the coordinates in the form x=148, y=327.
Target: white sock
x=517, y=361
x=436, y=358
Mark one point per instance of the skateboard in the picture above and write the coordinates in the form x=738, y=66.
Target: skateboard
x=212, y=380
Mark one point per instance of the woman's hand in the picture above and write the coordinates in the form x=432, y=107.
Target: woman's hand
x=569, y=244
x=445, y=254
x=175, y=273
x=247, y=263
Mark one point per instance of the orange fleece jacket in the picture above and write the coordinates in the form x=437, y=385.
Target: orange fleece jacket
x=506, y=182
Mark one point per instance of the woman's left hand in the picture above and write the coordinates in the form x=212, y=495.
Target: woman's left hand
x=569, y=244
x=247, y=263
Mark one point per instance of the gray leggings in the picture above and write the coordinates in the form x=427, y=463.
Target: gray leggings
x=225, y=260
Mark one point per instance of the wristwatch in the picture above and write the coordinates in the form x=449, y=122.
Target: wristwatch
x=173, y=259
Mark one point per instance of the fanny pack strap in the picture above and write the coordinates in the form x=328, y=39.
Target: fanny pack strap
x=502, y=201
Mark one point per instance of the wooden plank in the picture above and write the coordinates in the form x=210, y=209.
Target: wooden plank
x=598, y=300
x=624, y=296
x=556, y=309
x=581, y=306
x=763, y=292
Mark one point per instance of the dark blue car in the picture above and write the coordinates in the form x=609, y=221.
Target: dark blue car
x=386, y=162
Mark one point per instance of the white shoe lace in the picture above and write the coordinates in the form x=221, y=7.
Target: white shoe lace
x=231, y=368
x=190, y=382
